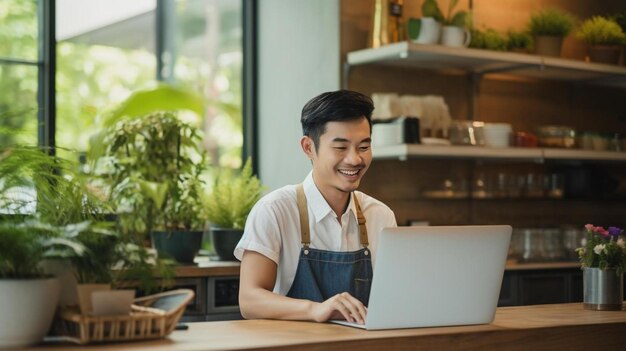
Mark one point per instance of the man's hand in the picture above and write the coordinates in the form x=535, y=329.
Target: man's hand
x=341, y=305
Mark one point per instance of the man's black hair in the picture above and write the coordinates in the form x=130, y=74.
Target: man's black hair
x=334, y=106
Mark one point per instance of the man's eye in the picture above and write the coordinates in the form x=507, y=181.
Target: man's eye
x=364, y=148
x=341, y=148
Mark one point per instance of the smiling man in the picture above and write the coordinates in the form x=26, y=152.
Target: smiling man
x=307, y=249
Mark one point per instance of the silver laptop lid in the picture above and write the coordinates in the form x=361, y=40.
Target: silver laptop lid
x=437, y=276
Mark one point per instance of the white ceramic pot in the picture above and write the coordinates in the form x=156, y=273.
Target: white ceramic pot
x=455, y=36
x=27, y=307
x=430, y=31
x=497, y=134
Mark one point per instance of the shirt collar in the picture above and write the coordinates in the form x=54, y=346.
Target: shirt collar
x=316, y=202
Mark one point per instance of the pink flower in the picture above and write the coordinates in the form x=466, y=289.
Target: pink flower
x=589, y=227
x=601, y=231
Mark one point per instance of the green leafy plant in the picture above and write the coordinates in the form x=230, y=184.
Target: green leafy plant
x=430, y=8
x=599, y=30
x=551, y=22
x=232, y=197
x=49, y=212
x=604, y=249
x=620, y=19
x=488, y=39
x=25, y=244
x=153, y=167
x=519, y=40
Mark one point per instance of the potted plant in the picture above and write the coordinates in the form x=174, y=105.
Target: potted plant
x=603, y=260
x=228, y=206
x=52, y=190
x=488, y=39
x=521, y=42
x=549, y=27
x=604, y=37
x=27, y=179
x=453, y=32
x=153, y=167
x=110, y=263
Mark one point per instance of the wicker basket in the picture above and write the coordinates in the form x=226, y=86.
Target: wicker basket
x=151, y=317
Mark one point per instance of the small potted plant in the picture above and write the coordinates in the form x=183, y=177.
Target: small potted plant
x=519, y=41
x=604, y=38
x=228, y=206
x=26, y=290
x=488, y=39
x=30, y=190
x=549, y=27
x=454, y=32
x=603, y=259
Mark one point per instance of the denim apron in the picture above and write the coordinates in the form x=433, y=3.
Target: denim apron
x=322, y=274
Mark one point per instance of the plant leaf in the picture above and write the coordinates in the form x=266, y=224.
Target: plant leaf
x=155, y=191
x=459, y=19
x=162, y=98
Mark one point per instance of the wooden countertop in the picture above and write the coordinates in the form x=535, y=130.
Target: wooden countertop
x=207, y=268
x=540, y=327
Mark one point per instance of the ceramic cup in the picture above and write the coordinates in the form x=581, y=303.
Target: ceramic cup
x=455, y=36
x=429, y=31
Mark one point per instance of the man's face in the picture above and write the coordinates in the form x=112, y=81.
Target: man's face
x=342, y=156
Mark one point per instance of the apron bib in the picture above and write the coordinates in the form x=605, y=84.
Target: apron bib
x=322, y=274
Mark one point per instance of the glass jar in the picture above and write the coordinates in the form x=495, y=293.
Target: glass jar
x=557, y=136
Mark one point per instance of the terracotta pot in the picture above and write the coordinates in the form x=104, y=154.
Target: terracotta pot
x=548, y=45
x=608, y=54
x=112, y=302
x=84, y=292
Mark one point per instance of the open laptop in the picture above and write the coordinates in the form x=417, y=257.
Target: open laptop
x=436, y=276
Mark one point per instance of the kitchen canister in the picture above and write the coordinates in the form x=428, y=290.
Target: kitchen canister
x=497, y=134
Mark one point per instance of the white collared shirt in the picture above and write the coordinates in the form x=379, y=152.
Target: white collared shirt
x=273, y=228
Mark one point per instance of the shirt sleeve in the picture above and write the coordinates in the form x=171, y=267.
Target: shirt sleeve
x=261, y=233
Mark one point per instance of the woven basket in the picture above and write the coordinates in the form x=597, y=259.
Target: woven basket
x=145, y=320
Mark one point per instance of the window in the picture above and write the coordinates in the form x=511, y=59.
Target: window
x=19, y=63
x=107, y=49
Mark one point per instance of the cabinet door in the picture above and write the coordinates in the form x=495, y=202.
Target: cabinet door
x=543, y=288
x=509, y=291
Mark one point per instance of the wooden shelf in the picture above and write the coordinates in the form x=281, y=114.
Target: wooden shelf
x=464, y=60
x=407, y=151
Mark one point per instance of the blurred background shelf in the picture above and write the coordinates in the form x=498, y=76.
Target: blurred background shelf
x=407, y=151
x=464, y=60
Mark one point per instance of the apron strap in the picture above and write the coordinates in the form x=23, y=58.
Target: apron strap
x=304, y=218
x=361, y=219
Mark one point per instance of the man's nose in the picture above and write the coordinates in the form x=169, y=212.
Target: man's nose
x=353, y=157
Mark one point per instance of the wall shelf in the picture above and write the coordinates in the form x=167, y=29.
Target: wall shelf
x=410, y=151
x=476, y=61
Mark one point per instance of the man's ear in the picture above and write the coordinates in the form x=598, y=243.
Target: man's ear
x=307, y=146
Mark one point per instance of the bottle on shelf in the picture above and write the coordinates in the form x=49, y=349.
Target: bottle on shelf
x=387, y=24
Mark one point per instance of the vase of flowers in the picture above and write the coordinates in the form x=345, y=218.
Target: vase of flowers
x=603, y=259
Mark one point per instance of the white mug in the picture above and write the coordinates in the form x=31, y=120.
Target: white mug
x=429, y=31
x=455, y=36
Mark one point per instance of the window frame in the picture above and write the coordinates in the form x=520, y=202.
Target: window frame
x=46, y=64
